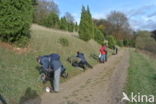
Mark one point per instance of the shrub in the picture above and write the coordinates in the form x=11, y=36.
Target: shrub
x=146, y=42
x=111, y=41
x=15, y=19
x=64, y=42
x=125, y=42
x=98, y=36
x=120, y=43
x=22, y=42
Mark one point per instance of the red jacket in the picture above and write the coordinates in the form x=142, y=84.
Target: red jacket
x=103, y=50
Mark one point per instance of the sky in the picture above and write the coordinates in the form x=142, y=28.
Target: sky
x=141, y=13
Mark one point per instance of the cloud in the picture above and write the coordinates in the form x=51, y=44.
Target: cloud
x=152, y=14
x=144, y=23
x=149, y=25
x=140, y=11
x=143, y=17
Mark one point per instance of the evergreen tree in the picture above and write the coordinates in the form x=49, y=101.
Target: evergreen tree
x=15, y=19
x=63, y=24
x=90, y=23
x=70, y=26
x=70, y=21
x=86, y=25
x=98, y=36
x=76, y=27
x=52, y=20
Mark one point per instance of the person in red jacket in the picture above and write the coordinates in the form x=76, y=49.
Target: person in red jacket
x=103, y=52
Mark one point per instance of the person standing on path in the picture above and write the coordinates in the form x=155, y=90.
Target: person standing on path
x=103, y=53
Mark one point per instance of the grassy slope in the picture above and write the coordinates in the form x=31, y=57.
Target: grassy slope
x=142, y=75
x=18, y=72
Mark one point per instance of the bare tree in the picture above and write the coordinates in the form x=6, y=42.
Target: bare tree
x=43, y=9
x=69, y=17
x=120, y=27
x=118, y=19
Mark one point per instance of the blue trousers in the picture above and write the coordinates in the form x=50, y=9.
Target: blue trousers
x=103, y=58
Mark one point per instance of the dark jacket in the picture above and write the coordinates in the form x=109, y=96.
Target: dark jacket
x=50, y=62
x=81, y=56
x=45, y=61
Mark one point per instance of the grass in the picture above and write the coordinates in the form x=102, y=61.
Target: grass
x=18, y=72
x=142, y=75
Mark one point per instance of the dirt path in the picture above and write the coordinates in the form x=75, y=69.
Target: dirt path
x=101, y=85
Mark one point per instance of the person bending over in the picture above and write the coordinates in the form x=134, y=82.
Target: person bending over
x=83, y=62
x=52, y=63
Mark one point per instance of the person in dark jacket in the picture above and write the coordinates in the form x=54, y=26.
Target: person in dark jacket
x=83, y=62
x=52, y=63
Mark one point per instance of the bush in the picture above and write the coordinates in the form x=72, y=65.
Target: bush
x=98, y=36
x=125, y=42
x=64, y=42
x=15, y=19
x=22, y=42
x=120, y=43
x=111, y=41
x=146, y=42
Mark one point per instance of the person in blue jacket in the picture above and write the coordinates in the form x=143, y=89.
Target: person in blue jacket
x=83, y=61
x=52, y=63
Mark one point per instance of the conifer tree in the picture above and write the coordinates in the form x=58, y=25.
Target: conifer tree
x=86, y=25
x=15, y=19
x=98, y=36
x=52, y=20
x=63, y=24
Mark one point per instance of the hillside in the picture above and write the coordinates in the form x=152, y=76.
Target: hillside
x=19, y=71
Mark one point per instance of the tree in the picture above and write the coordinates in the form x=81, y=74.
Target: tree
x=144, y=41
x=69, y=17
x=86, y=30
x=111, y=41
x=63, y=24
x=15, y=20
x=52, y=20
x=70, y=21
x=154, y=34
x=98, y=35
x=34, y=3
x=43, y=9
x=104, y=26
x=70, y=26
x=120, y=25
x=76, y=27
x=67, y=22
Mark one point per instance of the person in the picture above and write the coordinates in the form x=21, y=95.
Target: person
x=52, y=63
x=106, y=56
x=103, y=53
x=83, y=62
x=116, y=50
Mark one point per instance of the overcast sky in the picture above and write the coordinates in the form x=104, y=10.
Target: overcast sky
x=141, y=13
